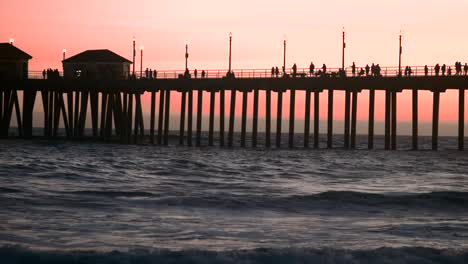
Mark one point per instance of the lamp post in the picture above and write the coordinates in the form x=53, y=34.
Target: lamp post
x=399, y=57
x=134, y=54
x=141, y=61
x=64, y=51
x=12, y=40
x=344, y=46
x=230, y=46
x=284, y=56
x=186, y=56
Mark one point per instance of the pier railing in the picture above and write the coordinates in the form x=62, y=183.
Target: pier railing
x=386, y=71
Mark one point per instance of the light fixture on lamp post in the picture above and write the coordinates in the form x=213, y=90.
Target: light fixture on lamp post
x=64, y=51
x=141, y=61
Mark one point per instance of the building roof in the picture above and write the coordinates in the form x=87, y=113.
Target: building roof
x=10, y=52
x=103, y=55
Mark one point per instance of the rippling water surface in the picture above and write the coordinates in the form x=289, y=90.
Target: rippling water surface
x=299, y=204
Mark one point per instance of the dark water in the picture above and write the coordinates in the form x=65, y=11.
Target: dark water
x=83, y=202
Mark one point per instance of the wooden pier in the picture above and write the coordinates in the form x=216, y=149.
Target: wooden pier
x=115, y=108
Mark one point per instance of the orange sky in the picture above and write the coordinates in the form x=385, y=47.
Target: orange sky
x=433, y=31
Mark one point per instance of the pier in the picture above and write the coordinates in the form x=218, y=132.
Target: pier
x=115, y=107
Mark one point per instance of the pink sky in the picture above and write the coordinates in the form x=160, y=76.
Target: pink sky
x=433, y=31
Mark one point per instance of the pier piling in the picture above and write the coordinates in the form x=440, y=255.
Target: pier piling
x=461, y=118
x=330, y=119
x=435, y=119
x=292, y=107
x=307, y=119
x=279, y=118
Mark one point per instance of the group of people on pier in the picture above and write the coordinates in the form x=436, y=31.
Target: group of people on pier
x=50, y=74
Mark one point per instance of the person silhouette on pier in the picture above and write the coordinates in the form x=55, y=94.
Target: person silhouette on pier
x=272, y=72
x=361, y=72
x=195, y=73
x=466, y=68
x=324, y=69
x=203, y=74
x=311, y=69
x=449, y=71
x=155, y=74
x=367, y=69
x=294, y=69
x=437, y=69
x=276, y=71
x=426, y=70
x=443, y=69
x=353, y=69
x=44, y=74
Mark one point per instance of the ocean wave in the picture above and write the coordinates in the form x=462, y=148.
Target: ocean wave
x=16, y=255
x=326, y=200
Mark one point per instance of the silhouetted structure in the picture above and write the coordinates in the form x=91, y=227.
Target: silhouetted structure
x=13, y=62
x=96, y=64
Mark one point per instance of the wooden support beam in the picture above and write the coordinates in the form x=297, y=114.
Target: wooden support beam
x=354, y=119
x=182, y=117
x=190, y=118
x=221, y=117
x=152, y=116
x=244, y=117
x=316, y=118
x=292, y=108
x=104, y=101
x=346, y=118
x=255, y=118
x=394, y=120
x=307, y=119
x=56, y=113
x=414, y=140
x=387, y=118
x=110, y=106
x=161, y=115
x=166, y=116
x=268, y=118
x=129, y=116
x=435, y=119
x=232, y=113
x=70, y=112
x=28, y=108
x=94, y=100
x=77, y=114
x=51, y=112
x=199, y=116
x=211, y=118
x=461, y=118
x=141, y=121
x=370, y=139
x=330, y=119
x=45, y=106
x=279, y=115
x=118, y=113
x=64, y=115
x=83, y=112
x=137, y=120
x=18, y=113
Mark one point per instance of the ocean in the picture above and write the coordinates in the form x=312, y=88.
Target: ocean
x=90, y=202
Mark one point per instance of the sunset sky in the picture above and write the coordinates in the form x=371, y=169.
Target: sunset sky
x=433, y=31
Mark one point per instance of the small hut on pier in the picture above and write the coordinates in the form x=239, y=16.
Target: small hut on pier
x=96, y=64
x=13, y=62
